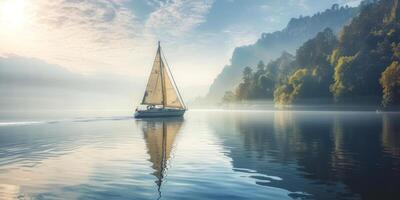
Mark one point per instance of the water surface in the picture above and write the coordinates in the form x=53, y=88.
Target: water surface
x=206, y=155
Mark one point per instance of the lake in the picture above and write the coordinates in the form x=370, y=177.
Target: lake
x=209, y=154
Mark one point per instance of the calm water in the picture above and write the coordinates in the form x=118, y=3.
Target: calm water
x=206, y=155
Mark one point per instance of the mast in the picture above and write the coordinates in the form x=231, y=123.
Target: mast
x=163, y=89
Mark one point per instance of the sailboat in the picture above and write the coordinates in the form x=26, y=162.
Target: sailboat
x=162, y=97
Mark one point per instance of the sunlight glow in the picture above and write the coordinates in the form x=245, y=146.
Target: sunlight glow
x=12, y=13
x=16, y=20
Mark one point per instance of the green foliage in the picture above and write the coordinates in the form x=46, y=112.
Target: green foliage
x=334, y=57
x=244, y=88
x=289, y=79
x=229, y=97
x=314, y=71
x=353, y=67
x=270, y=45
x=282, y=95
x=366, y=46
x=300, y=81
x=394, y=13
x=396, y=50
x=343, y=84
x=302, y=84
x=282, y=67
x=317, y=50
x=390, y=81
x=266, y=85
x=257, y=85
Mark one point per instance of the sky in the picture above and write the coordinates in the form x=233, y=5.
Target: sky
x=120, y=36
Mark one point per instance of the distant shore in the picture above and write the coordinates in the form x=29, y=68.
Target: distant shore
x=269, y=105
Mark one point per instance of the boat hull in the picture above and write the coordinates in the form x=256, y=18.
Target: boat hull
x=159, y=113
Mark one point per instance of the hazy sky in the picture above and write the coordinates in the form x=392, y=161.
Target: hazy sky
x=120, y=36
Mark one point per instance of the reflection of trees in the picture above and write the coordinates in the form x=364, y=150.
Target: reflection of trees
x=278, y=144
x=288, y=137
x=306, y=141
x=341, y=152
x=159, y=136
x=340, y=158
x=391, y=134
x=283, y=124
x=255, y=132
x=358, y=160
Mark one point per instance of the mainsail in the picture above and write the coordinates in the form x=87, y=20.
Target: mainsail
x=153, y=94
x=161, y=88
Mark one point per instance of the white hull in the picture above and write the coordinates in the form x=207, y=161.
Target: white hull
x=155, y=113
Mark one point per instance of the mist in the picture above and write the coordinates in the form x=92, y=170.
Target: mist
x=32, y=84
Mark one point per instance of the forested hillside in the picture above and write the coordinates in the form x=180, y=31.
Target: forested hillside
x=271, y=45
x=361, y=65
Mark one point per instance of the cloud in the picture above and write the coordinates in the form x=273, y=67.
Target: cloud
x=176, y=17
x=100, y=35
x=304, y=4
x=81, y=35
x=240, y=35
x=101, y=21
x=119, y=36
x=352, y=3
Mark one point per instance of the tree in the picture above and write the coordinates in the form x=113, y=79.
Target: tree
x=390, y=81
x=229, y=97
x=282, y=95
x=303, y=85
x=343, y=82
x=366, y=46
x=312, y=74
x=358, y=67
x=260, y=66
x=316, y=50
x=247, y=74
x=243, y=91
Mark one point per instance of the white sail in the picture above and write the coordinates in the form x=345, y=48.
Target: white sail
x=154, y=94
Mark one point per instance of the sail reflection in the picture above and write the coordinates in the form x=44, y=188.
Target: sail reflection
x=160, y=136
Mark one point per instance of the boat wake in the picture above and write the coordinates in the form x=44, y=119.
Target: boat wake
x=93, y=119
x=18, y=123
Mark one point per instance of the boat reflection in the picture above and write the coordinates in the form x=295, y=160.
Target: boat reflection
x=160, y=135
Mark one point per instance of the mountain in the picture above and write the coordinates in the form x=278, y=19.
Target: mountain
x=311, y=74
x=271, y=45
x=360, y=66
x=289, y=79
